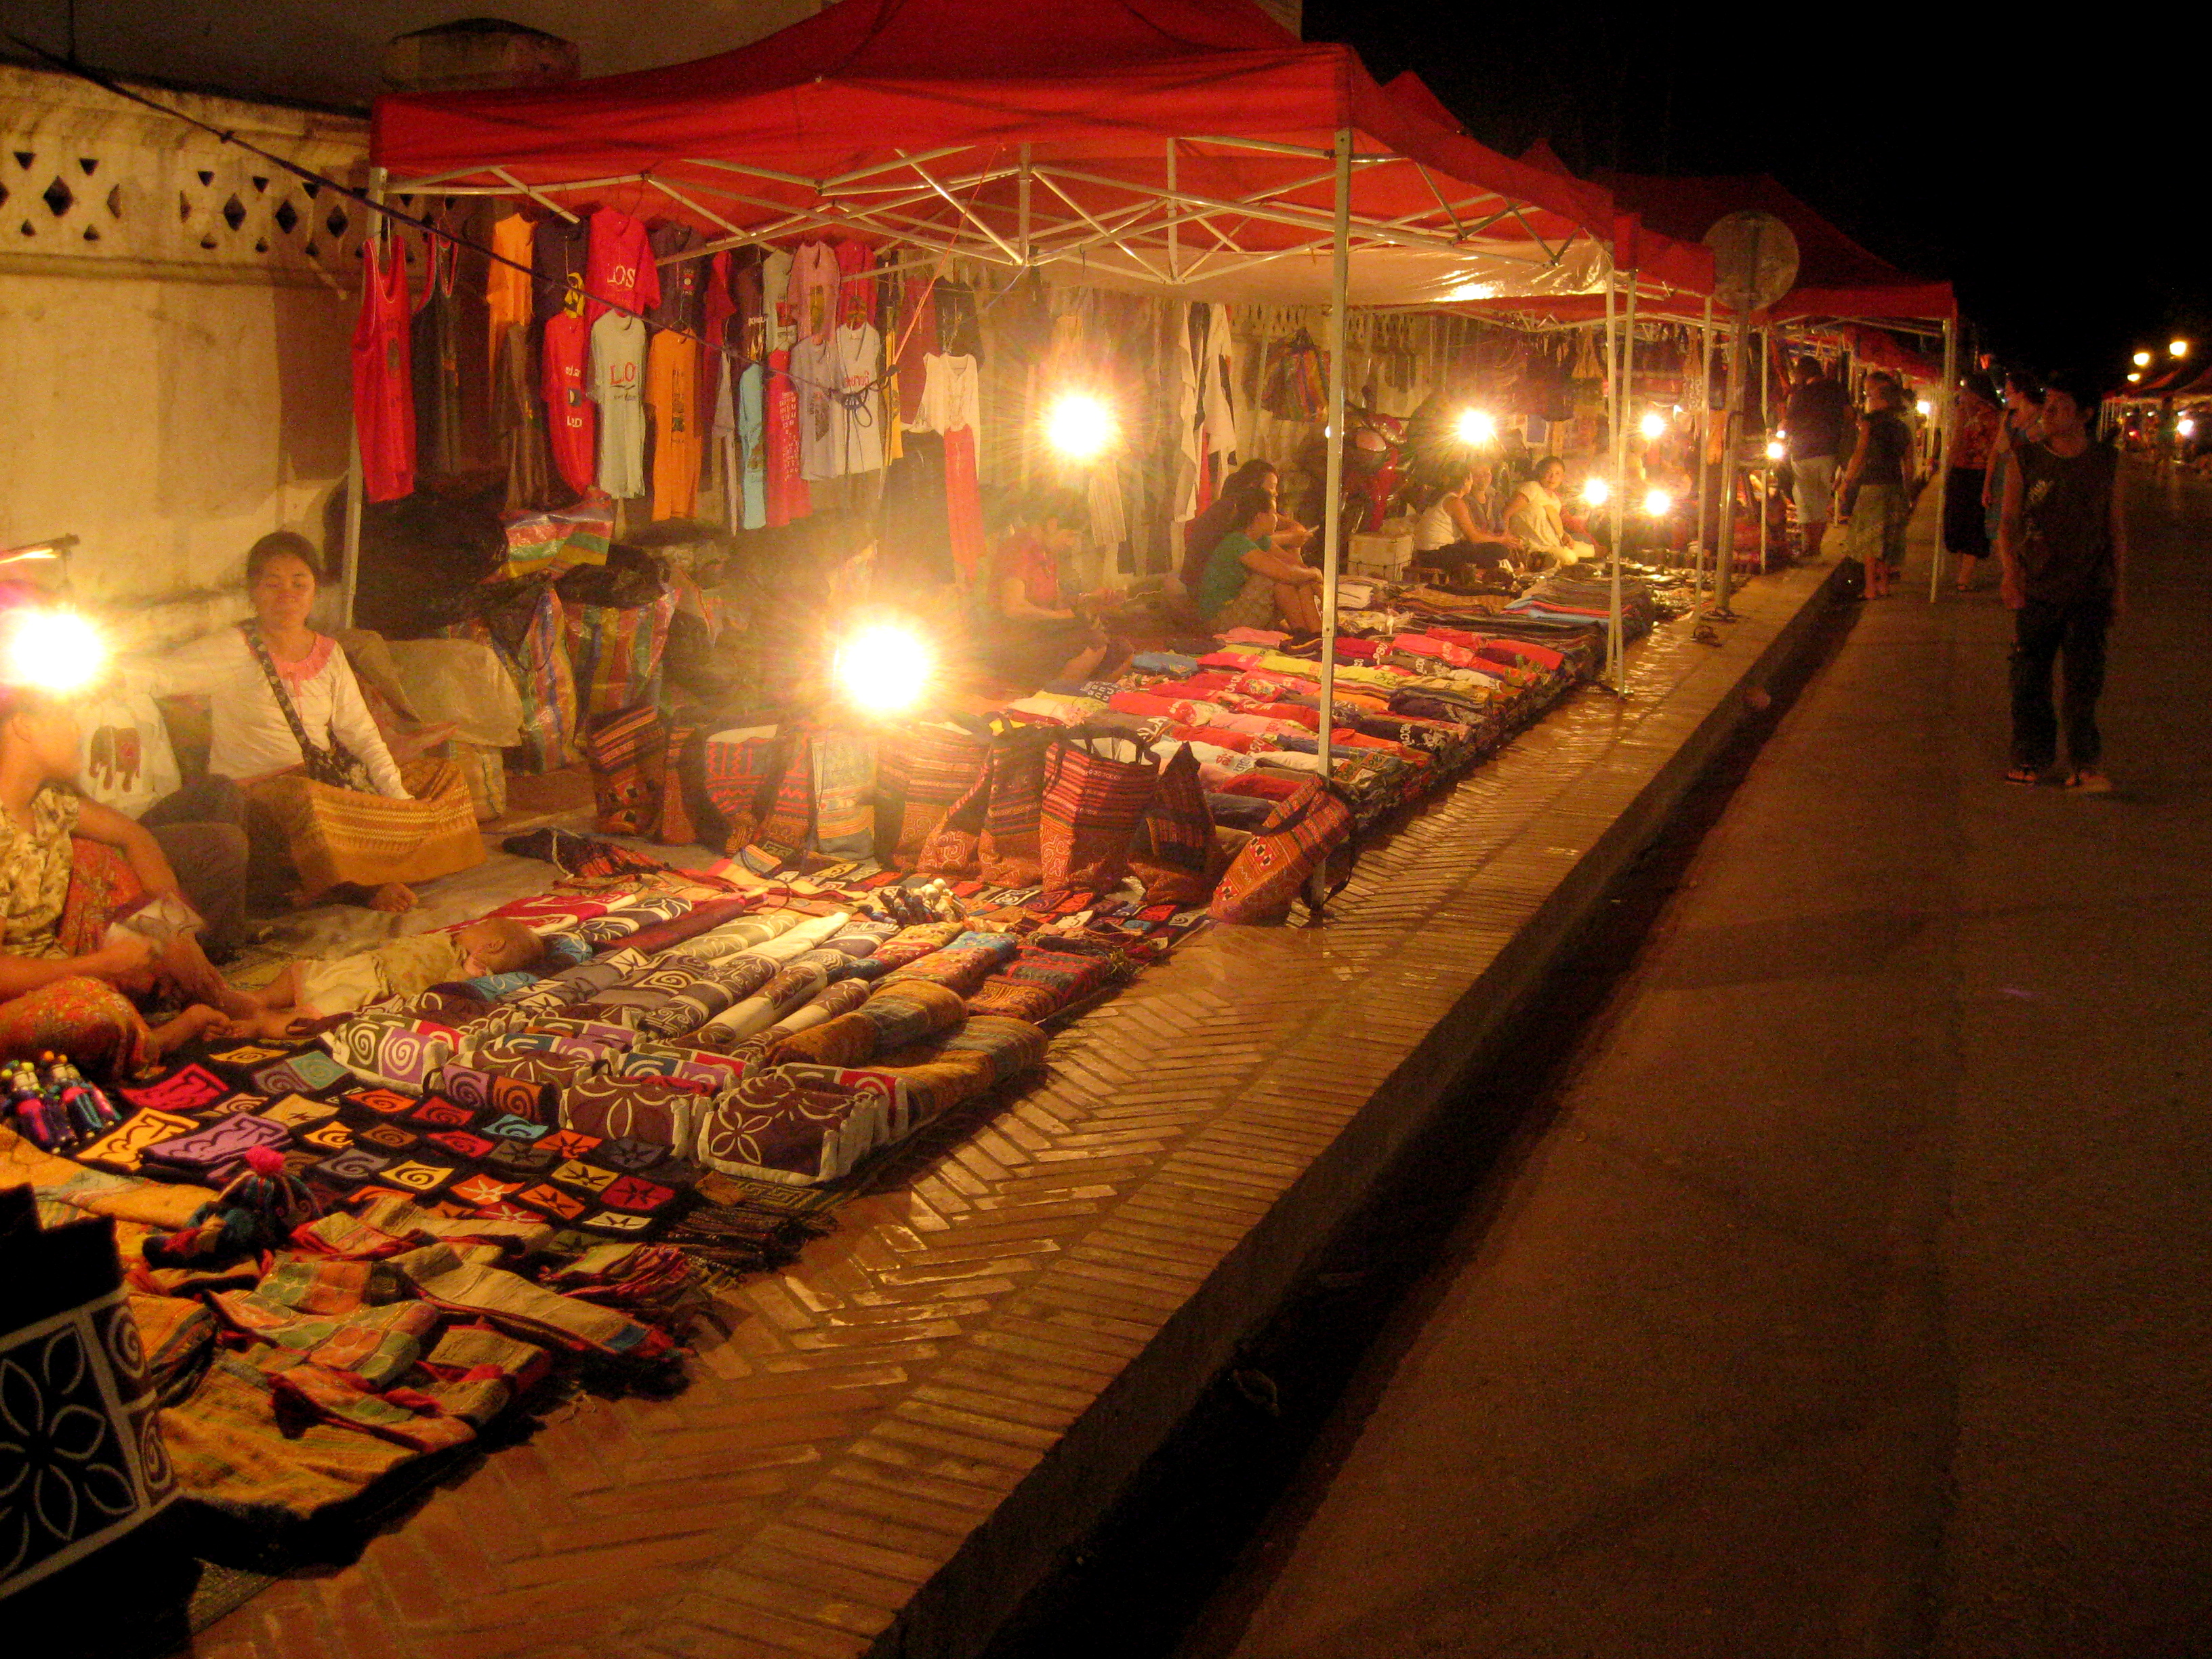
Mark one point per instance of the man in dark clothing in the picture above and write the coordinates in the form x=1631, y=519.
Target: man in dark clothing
x=2063, y=541
x=1818, y=420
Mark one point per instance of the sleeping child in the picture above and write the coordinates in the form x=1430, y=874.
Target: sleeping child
x=321, y=989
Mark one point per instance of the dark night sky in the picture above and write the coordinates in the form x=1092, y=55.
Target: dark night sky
x=2024, y=156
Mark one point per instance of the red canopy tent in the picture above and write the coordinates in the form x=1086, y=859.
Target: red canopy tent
x=1193, y=145
x=1188, y=144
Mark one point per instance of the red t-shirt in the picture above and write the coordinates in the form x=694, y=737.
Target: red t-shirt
x=384, y=377
x=618, y=266
x=572, y=424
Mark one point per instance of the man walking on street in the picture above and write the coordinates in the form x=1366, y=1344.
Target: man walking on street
x=1817, y=419
x=2063, y=541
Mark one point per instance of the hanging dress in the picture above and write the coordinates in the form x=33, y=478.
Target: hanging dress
x=384, y=377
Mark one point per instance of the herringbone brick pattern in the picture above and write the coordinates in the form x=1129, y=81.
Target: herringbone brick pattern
x=874, y=1405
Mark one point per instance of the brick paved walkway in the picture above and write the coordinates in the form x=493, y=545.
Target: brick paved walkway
x=902, y=1429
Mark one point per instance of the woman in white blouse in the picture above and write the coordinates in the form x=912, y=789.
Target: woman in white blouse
x=409, y=825
x=1537, y=516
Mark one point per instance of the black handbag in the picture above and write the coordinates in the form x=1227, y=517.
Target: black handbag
x=337, y=766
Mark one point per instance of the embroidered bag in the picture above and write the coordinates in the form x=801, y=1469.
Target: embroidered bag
x=1173, y=851
x=1297, y=838
x=1089, y=808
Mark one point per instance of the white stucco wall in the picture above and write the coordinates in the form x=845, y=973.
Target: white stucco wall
x=177, y=383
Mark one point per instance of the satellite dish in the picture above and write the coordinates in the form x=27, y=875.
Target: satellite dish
x=1755, y=260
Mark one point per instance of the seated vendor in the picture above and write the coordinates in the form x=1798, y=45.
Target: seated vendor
x=1248, y=582
x=1204, y=532
x=1454, y=530
x=345, y=819
x=1537, y=516
x=318, y=989
x=1035, y=637
x=70, y=982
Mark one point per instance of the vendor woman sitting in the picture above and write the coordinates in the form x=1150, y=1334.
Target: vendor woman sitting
x=1035, y=637
x=69, y=867
x=1204, y=532
x=327, y=805
x=1454, y=532
x=1538, y=517
x=1250, y=583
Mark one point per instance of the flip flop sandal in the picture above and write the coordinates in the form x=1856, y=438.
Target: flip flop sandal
x=2088, y=783
x=2022, y=776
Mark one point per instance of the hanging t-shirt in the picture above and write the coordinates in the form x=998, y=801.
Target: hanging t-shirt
x=384, y=377
x=572, y=421
x=559, y=249
x=814, y=369
x=787, y=494
x=683, y=282
x=507, y=290
x=618, y=268
x=859, y=418
x=856, y=289
x=752, y=447
x=617, y=387
x=817, y=283
x=778, y=303
x=671, y=394
x=949, y=396
x=917, y=339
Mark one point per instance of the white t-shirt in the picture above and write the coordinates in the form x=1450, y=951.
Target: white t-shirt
x=949, y=399
x=1535, y=515
x=252, y=738
x=617, y=384
x=859, y=415
x=814, y=368
x=776, y=301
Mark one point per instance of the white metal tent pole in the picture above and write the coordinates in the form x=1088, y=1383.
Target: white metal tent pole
x=1704, y=462
x=1947, y=420
x=1766, y=425
x=1616, y=414
x=1724, y=531
x=1616, y=645
x=351, y=552
x=1333, y=526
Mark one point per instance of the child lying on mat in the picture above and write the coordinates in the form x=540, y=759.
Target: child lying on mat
x=321, y=989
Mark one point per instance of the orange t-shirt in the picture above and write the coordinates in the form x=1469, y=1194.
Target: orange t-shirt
x=671, y=397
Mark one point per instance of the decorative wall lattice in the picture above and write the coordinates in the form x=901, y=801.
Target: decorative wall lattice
x=85, y=176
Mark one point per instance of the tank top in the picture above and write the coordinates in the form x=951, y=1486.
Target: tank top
x=1434, y=528
x=2066, y=523
x=384, y=378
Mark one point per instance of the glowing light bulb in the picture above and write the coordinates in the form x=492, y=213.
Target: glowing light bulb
x=2188, y=428
x=883, y=669
x=1080, y=427
x=1658, y=503
x=1596, y=491
x=1925, y=407
x=1777, y=449
x=2132, y=379
x=2178, y=348
x=55, y=650
x=1653, y=425
x=1475, y=427
x=2142, y=360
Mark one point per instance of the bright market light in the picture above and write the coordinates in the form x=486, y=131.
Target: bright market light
x=1653, y=425
x=1777, y=449
x=1658, y=503
x=1925, y=407
x=1475, y=427
x=55, y=650
x=2132, y=379
x=883, y=669
x=1080, y=427
x=2188, y=428
x=2178, y=348
x=1596, y=491
x=2142, y=360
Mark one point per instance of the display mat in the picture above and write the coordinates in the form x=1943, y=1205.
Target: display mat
x=902, y=1427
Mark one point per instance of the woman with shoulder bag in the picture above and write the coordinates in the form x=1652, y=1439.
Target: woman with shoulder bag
x=324, y=795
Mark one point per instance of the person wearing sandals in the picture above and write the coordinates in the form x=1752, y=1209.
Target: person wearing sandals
x=2062, y=542
x=1873, y=498
x=326, y=806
